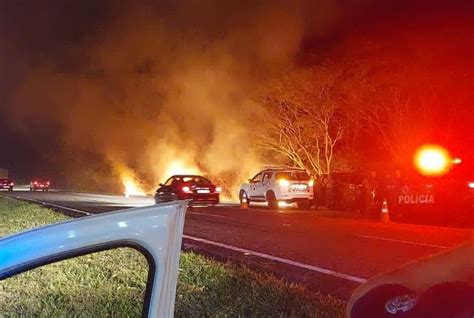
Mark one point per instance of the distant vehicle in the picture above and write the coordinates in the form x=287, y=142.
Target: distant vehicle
x=6, y=183
x=39, y=184
x=278, y=187
x=188, y=187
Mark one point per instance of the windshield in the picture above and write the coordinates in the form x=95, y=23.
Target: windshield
x=293, y=175
x=196, y=180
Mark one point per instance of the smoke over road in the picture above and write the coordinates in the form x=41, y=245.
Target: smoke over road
x=160, y=89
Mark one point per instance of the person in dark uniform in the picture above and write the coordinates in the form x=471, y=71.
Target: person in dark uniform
x=369, y=184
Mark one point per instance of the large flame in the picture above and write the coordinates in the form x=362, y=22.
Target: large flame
x=130, y=182
x=132, y=187
x=180, y=167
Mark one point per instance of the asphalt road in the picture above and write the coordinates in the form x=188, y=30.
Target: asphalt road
x=327, y=254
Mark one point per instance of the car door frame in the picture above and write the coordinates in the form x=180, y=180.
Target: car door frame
x=256, y=188
x=155, y=231
x=266, y=184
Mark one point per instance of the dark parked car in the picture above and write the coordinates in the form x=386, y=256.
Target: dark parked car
x=39, y=184
x=340, y=191
x=188, y=187
x=6, y=184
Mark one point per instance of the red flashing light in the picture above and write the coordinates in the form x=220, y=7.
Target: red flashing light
x=432, y=160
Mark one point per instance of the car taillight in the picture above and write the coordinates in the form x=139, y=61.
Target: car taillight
x=284, y=182
x=11, y=183
x=470, y=185
x=35, y=182
x=47, y=183
x=311, y=183
x=218, y=189
x=186, y=189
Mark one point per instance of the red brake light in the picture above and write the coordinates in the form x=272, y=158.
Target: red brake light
x=470, y=185
x=47, y=183
x=35, y=182
x=186, y=189
x=218, y=189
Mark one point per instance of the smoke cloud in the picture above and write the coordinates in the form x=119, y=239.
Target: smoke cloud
x=156, y=89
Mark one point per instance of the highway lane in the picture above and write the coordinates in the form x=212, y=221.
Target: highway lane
x=331, y=255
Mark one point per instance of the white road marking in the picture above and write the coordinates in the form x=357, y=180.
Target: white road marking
x=402, y=241
x=279, y=259
x=242, y=250
x=208, y=214
x=50, y=204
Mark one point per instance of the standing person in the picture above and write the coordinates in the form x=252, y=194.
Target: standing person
x=337, y=197
x=320, y=191
x=369, y=185
x=329, y=192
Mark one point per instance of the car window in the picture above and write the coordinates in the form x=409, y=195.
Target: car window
x=103, y=284
x=197, y=180
x=257, y=178
x=169, y=181
x=293, y=175
x=267, y=176
x=176, y=181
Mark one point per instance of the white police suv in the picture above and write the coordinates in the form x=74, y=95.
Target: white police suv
x=279, y=187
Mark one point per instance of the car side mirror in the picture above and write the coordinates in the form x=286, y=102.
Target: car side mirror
x=162, y=185
x=250, y=180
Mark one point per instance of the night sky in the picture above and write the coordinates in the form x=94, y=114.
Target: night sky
x=52, y=52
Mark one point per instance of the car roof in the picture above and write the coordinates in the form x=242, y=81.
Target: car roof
x=284, y=170
x=187, y=176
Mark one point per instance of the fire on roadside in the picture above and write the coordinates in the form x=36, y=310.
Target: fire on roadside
x=130, y=183
x=132, y=188
x=180, y=167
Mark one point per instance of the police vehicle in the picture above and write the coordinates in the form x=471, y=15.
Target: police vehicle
x=441, y=191
x=278, y=187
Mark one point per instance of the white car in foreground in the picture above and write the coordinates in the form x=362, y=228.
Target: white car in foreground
x=278, y=187
x=155, y=231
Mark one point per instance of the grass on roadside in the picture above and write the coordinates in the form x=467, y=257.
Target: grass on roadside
x=111, y=283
